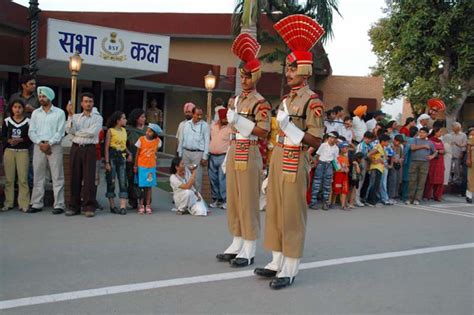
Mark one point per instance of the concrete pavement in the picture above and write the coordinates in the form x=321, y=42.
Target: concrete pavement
x=42, y=254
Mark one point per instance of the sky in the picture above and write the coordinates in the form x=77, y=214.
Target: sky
x=349, y=51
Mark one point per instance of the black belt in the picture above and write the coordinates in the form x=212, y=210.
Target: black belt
x=82, y=145
x=193, y=150
x=218, y=154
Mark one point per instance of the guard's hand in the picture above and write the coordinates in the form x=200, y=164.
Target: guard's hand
x=283, y=119
x=232, y=116
x=108, y=168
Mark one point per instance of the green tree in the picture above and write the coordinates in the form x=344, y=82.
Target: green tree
x=425, y=49
x=275, y=10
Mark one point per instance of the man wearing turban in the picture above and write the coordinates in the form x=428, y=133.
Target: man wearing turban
x=46, y=131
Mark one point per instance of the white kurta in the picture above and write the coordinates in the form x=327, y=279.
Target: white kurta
x=187, y=199
x=448, y=156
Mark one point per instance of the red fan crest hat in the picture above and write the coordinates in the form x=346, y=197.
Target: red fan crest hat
x=246, y=47
x=436, y=104
x=300, y=33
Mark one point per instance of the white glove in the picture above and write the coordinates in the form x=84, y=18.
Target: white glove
x=293, y=133
x=283, y=119
x=244, y=126
x=264, y=186
x=232, y=116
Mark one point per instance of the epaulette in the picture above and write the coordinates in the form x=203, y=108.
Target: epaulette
x=315, y=104
x=313, y=96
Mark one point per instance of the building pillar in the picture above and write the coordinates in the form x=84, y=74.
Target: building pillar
x=119, y=93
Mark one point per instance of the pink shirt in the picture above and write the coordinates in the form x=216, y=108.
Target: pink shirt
x=220, y=138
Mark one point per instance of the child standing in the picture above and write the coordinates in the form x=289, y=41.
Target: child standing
x=115, y=156
x=395, y=172
x=327, y=152
x=355, y=177
x=145, y=165
x=16, y=157
x=340, y=184
x=377, y=158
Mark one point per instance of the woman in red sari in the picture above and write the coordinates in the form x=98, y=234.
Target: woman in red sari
x=435, y=181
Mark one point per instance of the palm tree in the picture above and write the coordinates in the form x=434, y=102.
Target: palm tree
x=275, y=10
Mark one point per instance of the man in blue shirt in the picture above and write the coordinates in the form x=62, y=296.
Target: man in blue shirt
x=194, y=144
x=46, y=131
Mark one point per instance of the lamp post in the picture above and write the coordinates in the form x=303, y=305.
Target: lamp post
x=75, y=64
x=210, y=84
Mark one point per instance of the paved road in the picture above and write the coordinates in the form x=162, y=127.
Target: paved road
x=100, y=265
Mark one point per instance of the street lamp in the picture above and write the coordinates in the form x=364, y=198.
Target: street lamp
x=210, y=84
x=75, y=63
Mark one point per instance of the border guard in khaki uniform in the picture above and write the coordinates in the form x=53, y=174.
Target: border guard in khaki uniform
x=300, y=119
x=249, y=115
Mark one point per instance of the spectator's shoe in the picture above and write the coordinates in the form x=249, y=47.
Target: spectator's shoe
x=89, y=214
x=325, y=206
x=370, y=205
x=240, y=262
x=408, y=202
x=182, y=212
x=379, y=205
x=416, y=202
x=114, y=210
x=57, y=211
x=360, y=204
x=141, y=210
x=280, y=283
x=123, y=211
x=264, y=272
x=225, y=257
x=313, y=206
x=215, y=204
x=148, y=210
x=98, y=207
x=468, y=200
x=224, y=206
x=34, y=210
x=4, y=209
x=388, y=203
x=70, y=213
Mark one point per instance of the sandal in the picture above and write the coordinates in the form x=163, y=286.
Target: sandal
x=148, y=209
x=141, y=210
x=24, y=210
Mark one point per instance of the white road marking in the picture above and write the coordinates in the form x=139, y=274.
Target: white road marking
x=74, y=295
x=454, y=205
x=445, y=211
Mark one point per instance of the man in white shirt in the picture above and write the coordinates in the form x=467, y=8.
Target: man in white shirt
x=423, y=121
x=378, y=117
x=46, y=132
x=188, y=114
x=358, y=123
x=346, y=130
x=330, y=122
x=458, y=145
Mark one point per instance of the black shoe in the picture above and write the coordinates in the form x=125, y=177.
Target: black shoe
x=468, y=200
x=123, y=211
x=240, y=262
x=225, y=257
x=325, y=206
x=263, y=272
x=280, y=283
x=57, y=211
x=34, y=210
x=114, y=210
x=70, y=213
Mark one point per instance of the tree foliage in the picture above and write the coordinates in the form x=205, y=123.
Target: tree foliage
x=425, y=49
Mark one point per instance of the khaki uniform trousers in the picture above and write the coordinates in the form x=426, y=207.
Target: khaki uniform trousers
x=243, y=193
x=285, y=224
x=16, y=162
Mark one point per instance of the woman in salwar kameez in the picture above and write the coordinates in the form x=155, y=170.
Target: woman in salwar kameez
x=186, y=197
x=435, y=182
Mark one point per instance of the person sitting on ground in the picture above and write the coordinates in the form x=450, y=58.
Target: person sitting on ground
x=186, y=198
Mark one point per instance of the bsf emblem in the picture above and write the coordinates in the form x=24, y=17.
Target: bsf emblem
x=291, y=155
x=242, y=146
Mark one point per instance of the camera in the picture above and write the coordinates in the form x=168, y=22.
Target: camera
x=192, y=167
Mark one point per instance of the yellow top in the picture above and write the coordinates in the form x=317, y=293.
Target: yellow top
x=118, y=139
x=379, y=155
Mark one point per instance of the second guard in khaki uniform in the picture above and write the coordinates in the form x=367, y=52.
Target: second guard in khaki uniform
x=301, y=125
x=249, y=116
